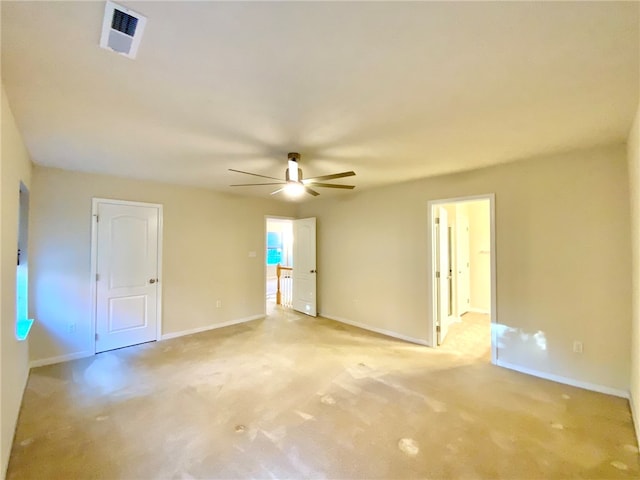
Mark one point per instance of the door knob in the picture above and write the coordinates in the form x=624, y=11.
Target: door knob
x=153, y=280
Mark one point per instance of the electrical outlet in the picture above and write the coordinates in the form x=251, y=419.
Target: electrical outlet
x=218, y=303
x=577, y=346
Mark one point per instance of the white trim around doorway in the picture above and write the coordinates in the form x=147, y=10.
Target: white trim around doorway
x=431, y=329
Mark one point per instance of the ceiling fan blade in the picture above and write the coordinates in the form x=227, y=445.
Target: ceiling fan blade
x=254, y=174
x=329, y=177
x=331, y=185
x=277, y=191
x=251, y=184
x=312, y=192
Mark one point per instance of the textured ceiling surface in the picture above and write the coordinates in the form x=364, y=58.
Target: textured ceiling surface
x=394, y=91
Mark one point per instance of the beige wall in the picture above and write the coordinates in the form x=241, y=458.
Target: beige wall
x=562, y=259
x=14, y=355
x=206, y=244
x=480, y=255
x=633, y=151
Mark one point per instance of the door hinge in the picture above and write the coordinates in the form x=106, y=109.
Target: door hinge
x=437, y=221
x=437, y=328
x=97, y=277
x=437, y=274
x=97, y=218
x=97, y=336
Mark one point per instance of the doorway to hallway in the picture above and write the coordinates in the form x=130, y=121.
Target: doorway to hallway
x=279, y=263
x=291, y=264
x=463, y=275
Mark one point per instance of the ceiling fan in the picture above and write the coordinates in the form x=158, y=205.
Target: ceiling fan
x=294, y=184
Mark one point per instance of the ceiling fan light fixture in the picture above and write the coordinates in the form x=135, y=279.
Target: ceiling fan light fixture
x=294, y=189
x=294, y=185
x=293, y=170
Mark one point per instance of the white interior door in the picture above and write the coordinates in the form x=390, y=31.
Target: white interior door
x=304, y=266
x=463, y=278
x=127, y=275
x=443, y=274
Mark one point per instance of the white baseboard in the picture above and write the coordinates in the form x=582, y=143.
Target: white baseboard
x=59, y=359
x=74, y=356
x=382, y=331
x=206, y=328
x=635, y=418
x=479, y=310
x=566, y=380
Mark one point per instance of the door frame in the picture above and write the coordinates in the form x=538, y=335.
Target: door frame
x=95, y=202
x=432, y=338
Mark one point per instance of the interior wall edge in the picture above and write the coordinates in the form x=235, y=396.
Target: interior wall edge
x=16, y=167
x=634, y=416
x=633, y=165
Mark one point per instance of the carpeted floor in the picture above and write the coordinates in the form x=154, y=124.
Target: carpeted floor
x=296, y=397
x=470, y=337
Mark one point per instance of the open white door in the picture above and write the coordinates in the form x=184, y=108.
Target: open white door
x=126, y=274
x=304, y=266
x=443, y=273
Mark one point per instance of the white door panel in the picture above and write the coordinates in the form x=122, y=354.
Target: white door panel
x=127, y=313
x=130, y=249
x=443, y=272
x=304, y=266
x=127, y=271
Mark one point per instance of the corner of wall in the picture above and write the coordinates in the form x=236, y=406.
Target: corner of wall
x=633, y=155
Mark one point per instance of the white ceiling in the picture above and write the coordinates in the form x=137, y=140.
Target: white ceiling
x=394, y=91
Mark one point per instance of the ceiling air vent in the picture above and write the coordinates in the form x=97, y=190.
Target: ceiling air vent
x=122, y=30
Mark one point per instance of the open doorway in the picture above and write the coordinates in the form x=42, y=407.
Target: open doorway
x=463, y=275
x=279, y=262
